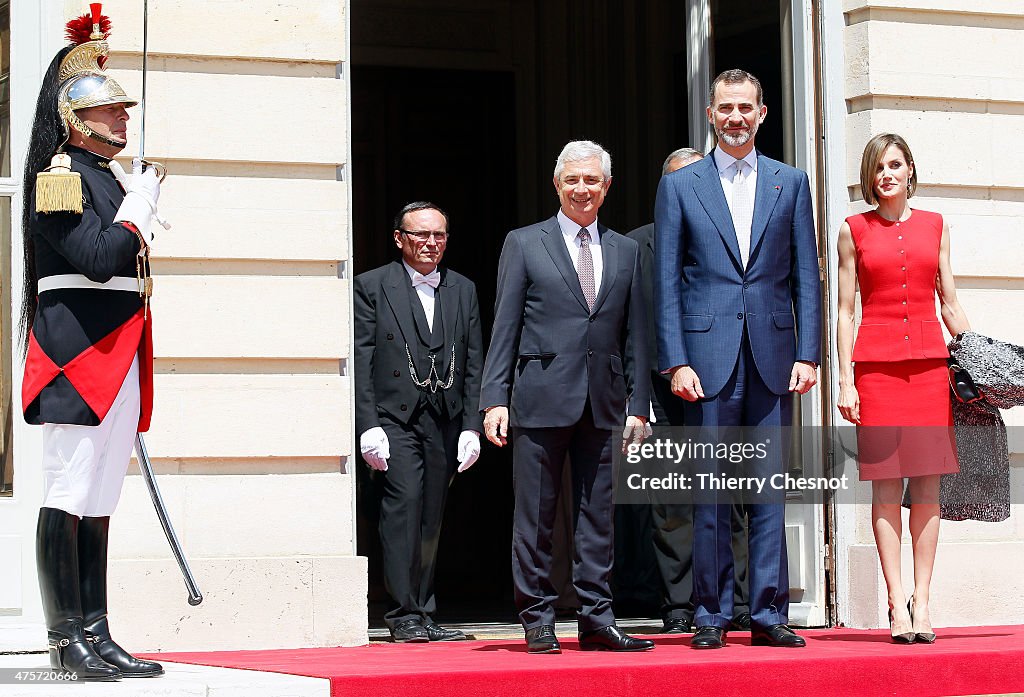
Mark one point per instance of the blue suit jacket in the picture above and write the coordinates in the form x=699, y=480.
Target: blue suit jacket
x=704, y=297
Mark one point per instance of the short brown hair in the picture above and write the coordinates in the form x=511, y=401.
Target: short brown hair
x=735, y=77
x=873, y=153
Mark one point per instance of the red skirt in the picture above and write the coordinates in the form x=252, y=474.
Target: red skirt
x=906, y=419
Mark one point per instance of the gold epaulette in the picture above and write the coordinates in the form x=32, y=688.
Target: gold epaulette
x=58, y=189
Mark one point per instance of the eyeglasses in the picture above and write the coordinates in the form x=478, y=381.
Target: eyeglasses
x=424, y=235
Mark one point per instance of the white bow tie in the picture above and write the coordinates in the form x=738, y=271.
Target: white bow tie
x=432, y=279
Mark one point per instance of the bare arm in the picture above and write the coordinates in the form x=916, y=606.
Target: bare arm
x=849, y=400
x=953, y=315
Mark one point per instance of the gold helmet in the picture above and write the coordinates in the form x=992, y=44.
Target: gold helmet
x=76, y=78
x=83, y=83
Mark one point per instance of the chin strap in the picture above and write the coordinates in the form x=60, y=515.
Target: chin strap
x=103, y=139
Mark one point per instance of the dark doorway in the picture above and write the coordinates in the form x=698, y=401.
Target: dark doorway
x=467, y=103
x=747, y=35
x=447, y=137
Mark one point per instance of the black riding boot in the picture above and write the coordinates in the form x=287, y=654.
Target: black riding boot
x=92, y=566
x=57, y=563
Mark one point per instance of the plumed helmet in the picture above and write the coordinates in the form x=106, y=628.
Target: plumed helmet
x=83, y=83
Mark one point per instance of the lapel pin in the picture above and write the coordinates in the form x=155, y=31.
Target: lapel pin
x=777, y=188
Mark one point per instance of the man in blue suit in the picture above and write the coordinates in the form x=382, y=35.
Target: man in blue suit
x=738, y=312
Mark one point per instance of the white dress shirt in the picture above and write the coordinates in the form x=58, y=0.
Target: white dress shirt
x=570, y=230
x=425, y=293
x=726, y=165
x=724, y=162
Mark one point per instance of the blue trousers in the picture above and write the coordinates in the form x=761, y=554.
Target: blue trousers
x=744, y=401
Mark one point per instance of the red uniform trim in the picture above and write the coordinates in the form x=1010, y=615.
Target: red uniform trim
x=39, y=371
x=146, y=373
x=98, y=372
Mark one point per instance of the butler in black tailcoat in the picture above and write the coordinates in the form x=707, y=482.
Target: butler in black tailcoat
x=418, y=359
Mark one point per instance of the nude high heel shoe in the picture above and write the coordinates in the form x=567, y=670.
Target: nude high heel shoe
x=925, y=637
x=905, y=638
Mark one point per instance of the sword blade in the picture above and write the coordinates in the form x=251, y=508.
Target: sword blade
x=145, y=71
x=146, y=468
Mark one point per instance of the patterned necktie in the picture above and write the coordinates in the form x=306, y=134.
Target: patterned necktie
x=585, y=268
x=742, y=210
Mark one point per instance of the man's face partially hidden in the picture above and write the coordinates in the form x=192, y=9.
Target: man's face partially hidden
x=109, y=121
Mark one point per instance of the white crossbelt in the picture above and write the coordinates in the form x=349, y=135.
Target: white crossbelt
x=78, y=281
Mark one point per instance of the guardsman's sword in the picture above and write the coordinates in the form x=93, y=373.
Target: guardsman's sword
x=145, y=466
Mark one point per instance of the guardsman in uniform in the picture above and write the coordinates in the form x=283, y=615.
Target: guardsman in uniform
x=89, y=362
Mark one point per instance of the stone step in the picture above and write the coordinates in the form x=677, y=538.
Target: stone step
x=180, y=680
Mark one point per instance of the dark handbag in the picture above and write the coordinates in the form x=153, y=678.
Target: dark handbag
x=962, y=384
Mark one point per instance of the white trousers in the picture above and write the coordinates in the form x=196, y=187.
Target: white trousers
x=84, y=466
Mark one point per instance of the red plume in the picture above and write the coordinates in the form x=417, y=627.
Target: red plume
x=79, y=28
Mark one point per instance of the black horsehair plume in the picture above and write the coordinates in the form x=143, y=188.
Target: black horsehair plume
x=48, y=134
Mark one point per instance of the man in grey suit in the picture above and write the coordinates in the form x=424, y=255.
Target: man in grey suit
x=567, y=365
x=739, y=327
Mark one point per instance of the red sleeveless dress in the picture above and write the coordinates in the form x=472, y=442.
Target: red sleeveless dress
x=900, y=353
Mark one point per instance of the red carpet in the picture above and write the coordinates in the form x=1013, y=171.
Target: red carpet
x=964, y=661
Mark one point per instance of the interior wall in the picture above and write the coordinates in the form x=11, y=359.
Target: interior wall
x=613, y=71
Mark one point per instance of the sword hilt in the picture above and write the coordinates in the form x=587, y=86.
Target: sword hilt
x=122, y=178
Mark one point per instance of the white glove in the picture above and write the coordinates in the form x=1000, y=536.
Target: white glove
x=648, y=430
x=469, y=449
x=376, y=449
x=139, y=205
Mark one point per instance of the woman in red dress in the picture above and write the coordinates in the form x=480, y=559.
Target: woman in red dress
x=892, y=380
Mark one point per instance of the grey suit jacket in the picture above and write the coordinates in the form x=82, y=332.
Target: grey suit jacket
x=549, y=354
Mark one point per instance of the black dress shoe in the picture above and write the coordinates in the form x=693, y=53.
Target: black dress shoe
x=611, y=638
x=409, y=632
x=708, y=638
x=741, y=622
x=677, y=625
x=436, y=632
x=542, y=639
x=776, y=635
